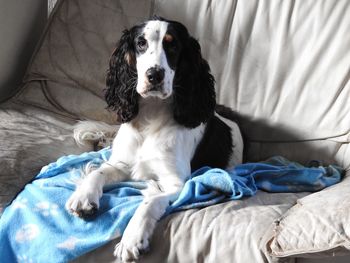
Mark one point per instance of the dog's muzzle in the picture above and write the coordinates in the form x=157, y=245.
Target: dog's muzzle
x=155, y=75
x=155, y=83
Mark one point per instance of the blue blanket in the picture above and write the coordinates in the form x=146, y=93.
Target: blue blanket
x=35, y=227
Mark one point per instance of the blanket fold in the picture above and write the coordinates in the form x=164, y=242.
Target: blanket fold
x=35, y=227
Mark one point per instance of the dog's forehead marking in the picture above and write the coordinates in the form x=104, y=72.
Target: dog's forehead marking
x=155, y=30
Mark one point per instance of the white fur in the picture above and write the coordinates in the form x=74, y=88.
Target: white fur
x=151, y=147
x=237, y=141
x=154, y=33
x=89, y=132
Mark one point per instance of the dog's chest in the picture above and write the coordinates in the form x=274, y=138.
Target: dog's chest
x=162, y=145
x=165, y=149
x=154, y=146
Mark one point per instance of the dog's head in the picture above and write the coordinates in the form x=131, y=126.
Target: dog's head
x=159, y=58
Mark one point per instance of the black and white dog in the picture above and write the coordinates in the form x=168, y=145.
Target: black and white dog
x=163, y=93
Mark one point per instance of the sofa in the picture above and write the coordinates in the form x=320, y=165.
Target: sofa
x=284, y=66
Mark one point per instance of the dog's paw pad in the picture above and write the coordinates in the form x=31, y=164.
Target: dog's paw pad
x=89, y=210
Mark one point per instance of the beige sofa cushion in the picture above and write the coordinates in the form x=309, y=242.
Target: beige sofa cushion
x=233, y=231
x=283, y=64
x=69, y=67
x=30, y=138
x=317, y=223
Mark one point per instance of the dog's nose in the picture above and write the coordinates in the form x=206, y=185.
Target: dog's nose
x=155, y=75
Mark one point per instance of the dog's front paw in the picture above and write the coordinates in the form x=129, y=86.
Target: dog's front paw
x=135, y=240
x=84, y=202
x=131, y=249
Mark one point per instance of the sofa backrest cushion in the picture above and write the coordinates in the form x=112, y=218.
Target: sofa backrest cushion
x=283, y=65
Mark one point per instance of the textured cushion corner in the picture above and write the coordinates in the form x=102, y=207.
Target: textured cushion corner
x=317, y=226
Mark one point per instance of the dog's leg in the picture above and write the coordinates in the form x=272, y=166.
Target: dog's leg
x=85, y=200
x=137, y=234
x=168, y=156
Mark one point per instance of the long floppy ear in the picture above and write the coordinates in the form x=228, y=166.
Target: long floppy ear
x=121, y=95
x=194, y=91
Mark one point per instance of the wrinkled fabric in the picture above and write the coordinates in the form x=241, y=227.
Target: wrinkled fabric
x=29, y=139
x=278, y=63
x=318, y=222
x=38, y=212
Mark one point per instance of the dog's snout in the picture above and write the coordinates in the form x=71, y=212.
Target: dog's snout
x=155, y=75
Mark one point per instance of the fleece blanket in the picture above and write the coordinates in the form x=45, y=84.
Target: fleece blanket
x=35, y=227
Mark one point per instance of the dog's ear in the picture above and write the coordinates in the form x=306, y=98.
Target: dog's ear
x=120, y=94
x=194, y=91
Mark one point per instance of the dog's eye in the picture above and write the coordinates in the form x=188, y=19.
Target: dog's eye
x=141, y=44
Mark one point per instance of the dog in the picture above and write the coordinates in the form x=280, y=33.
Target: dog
x=163, y=93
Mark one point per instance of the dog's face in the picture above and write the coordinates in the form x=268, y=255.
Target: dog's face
x=157, y=49
x=158, y=58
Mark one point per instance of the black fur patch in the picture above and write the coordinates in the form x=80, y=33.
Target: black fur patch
x=216, y=146
x=194, y=92
x=234, y=116
x=174, y=48
x=120, y=94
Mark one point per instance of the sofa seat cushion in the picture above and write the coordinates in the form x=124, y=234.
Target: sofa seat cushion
x=30, y=139
x=234, y=231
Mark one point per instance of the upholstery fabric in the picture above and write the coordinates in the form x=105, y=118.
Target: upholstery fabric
x=282, y=64
x=30, y=138
x=234, y=231
x=72, y=60
x=317, y=223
